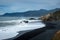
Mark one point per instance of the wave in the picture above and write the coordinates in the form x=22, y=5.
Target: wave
x=10, y=28
x=16, y=22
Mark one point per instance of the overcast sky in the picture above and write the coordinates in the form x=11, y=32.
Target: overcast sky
x=25, y=5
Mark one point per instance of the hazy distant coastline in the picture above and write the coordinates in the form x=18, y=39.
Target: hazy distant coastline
x=34, y=13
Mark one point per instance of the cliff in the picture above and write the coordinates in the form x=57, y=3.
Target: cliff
x=55, y=16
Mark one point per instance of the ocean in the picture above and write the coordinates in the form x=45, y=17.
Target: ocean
x=10, y=26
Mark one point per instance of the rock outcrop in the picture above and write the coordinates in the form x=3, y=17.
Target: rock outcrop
x=55, y=16
x=56, y=36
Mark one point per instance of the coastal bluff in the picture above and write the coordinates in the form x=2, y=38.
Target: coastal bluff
x=55, y=16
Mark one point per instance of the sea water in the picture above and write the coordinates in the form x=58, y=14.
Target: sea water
x=10, y=26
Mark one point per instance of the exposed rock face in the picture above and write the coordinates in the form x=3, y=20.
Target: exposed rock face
x=56, y=36
x=52, y=16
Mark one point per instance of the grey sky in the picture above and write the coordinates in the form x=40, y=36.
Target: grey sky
x=25, y=5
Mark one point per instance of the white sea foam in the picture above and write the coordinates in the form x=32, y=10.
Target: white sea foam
x=11, y=31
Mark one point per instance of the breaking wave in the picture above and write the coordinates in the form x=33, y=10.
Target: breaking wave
x=10, y=28
x=16, y=22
